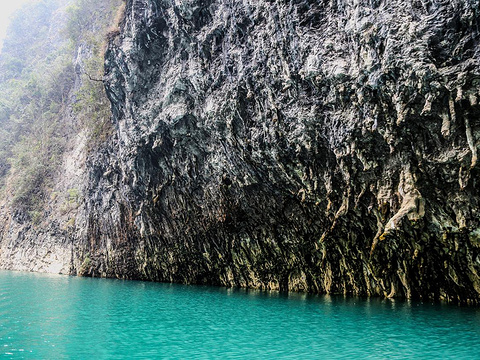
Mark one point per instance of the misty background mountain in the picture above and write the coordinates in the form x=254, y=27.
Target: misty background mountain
x=51, y=68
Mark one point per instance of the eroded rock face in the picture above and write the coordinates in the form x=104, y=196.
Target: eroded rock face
x=322, y=146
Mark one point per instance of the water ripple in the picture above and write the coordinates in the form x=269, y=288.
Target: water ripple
x=52, y=317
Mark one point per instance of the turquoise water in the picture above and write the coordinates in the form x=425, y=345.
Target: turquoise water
x=60, y=317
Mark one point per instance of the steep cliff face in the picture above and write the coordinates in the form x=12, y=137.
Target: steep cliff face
x=302, y=145
x=295, y=145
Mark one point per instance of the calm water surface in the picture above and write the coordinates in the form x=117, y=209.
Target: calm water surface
x=58, y=317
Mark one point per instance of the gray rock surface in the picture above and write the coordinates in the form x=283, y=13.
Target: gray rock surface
x=301, y=145
x=320, y=146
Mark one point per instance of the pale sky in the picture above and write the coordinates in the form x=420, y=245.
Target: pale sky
x=7, y=7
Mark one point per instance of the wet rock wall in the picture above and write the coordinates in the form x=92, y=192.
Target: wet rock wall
x=321, y=146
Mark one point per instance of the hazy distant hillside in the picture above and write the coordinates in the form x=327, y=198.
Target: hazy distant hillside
x=45, y=96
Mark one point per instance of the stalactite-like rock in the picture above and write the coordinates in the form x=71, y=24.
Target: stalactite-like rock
x=294, y=145
x=325, y=147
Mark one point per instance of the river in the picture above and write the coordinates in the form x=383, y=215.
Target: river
x=61, y=317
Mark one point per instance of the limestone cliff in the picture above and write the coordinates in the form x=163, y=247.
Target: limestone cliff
x=304, y=145
x=321, y=146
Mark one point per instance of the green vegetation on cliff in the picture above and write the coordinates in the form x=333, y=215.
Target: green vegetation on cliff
x=51, y=68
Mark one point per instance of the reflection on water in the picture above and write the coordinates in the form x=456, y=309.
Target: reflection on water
x=52, y=317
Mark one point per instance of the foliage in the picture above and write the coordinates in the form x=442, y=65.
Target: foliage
x=72, y=201
x=36, y=130
x=41, y=87
x=92, y=107
x=85, y=267
x=30, y=38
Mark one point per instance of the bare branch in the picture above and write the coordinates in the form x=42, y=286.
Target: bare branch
x=92, y=78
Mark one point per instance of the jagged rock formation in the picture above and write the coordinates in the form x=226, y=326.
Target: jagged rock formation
x=321, y=146
x=303, y=145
